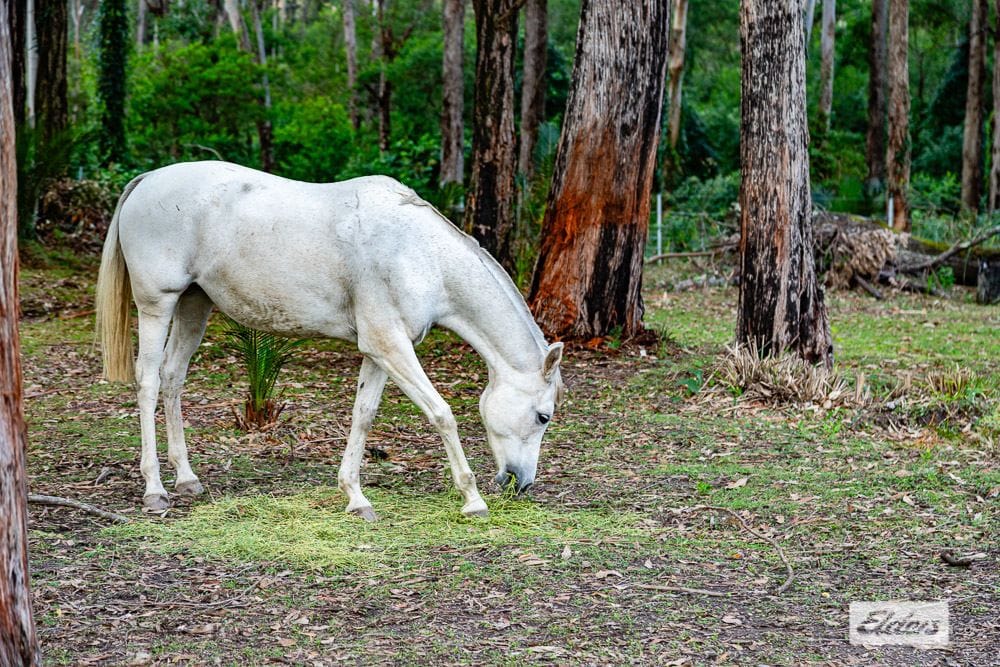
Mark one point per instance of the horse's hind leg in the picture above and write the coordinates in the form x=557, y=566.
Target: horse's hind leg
x=371, y=382
x=154, y=321
x=186, y=332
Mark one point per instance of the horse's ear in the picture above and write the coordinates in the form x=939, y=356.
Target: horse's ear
x=552, y=359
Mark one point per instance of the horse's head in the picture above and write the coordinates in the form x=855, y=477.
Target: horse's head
x=516, y=411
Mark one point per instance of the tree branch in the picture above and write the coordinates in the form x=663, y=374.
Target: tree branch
x=958, y=247
x=57, y=501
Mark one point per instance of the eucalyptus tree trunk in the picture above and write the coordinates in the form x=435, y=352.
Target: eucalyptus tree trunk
x=589, y=272
x=111, y=84
x=351, y=50
x=51, y=106
x=809, y=18
x=533, y=81
x=897, y=156
x=972, y=144
x=18, y=641
x=678, y=39
x=140, y=26
x=827, y=57
x=781, y=304
x=264, y=130
x=16, y=10
x=490, y=206
x=381, y=45
x=30, y=61
x=232, y=9
x=877, y=57
x=453, y=91
x=994, y=198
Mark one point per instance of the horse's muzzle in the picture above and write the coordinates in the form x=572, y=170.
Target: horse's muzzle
x=512, y=478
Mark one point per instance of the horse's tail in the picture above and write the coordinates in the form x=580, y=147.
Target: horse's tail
x=114, y=303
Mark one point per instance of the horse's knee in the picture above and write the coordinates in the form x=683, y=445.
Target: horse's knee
x=442, y=419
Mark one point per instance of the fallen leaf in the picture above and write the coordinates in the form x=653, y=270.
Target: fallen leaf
x=742, y=481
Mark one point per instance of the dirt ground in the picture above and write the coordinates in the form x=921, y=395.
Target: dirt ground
x=860, y=499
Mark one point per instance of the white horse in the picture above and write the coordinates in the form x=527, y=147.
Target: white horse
x=365, y=260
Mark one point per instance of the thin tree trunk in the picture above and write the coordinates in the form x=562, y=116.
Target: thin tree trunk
x=16, y=10
x=589, y=272
x=897, y=157
x=877, y=56
x=678, y=40
x=114, y=36
x=994, y=203
x=781, y=304
x=351, y=49
x=51, y=105
x=827, y=57
x=453, y=87
x=490, y=208
x=18, y=641
x=264, y=131
x=536, y=40
x=232, y=8
x=31, y=61
x=76, y=9
x=381, y=45
x=972, y=144
x=140, y=26
x=809, y=18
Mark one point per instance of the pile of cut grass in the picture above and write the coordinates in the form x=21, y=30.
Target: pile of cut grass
x=311, y=531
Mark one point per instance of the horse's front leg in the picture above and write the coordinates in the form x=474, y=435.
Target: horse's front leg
x=396, y=355
x=371, y=382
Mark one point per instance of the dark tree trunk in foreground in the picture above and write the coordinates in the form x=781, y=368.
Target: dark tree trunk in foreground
x=994, y=198
x=828, y=50
x=111, y=78
x=781, y=304
x=897, y=158
x=18, y=642
x=51, y=107
x=536, y=38
x=877, y=55
x=678, y=39
x=589, y=270
x=452, y=94
x=490, y=208
x=972, y=144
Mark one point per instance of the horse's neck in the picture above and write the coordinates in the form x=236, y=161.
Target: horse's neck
x=490, y=314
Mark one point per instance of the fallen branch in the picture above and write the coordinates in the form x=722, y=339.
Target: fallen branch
x=679, y=589
x=868, y=287
x=781, y=553
x=698, y=253
x=57, y=501
x=956, y=248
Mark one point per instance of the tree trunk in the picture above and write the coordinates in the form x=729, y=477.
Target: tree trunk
x=994, y=202
x=875, y=140
x=972, y=144
x=18, y=642
x=232, y=9
x=51, y=106
x=536, y=40
x=15, y=19
x=781, y=304
x=351, y=48
x=897, y=157
x=589, y=273
x=31, y=61
x=140, y=26
x=810, y=17
x=490, y=207
x=678, y=39
x=264, y=132
x=114, y=36
x=382, y=52
x=827, y=57
x=453, y=87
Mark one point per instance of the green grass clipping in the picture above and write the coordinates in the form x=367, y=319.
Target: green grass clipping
x=311, y=531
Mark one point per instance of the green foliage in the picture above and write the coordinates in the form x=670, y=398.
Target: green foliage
x=263, y=356
x=313, y=139
x=415, y=163
x=111, y=85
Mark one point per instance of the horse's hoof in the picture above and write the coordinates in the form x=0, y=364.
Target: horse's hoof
x=156, y=502
x=191, y=487
x=477, y=509
x=366, y=513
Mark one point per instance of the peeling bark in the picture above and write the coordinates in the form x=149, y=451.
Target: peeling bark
x=589, y=272
x=453, y=87
x=972, y=140
x=18, y=641
x=877, y=57
x=490, y=206
x=533, y=81
x=897, y=157
x=781, y=305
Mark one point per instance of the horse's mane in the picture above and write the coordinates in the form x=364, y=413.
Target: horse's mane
x=492, y=266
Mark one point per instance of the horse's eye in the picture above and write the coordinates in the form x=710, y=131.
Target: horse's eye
x=543, y=419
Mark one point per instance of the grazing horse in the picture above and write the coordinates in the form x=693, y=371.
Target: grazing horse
x=364, y=260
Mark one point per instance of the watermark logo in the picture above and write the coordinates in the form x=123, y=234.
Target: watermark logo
x=918, y=624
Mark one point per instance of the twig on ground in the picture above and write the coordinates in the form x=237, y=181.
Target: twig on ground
x=966, y=560
x=956, y=248
x=868, y=287
x=781, y=553
x=58, y=501
x=680, y=589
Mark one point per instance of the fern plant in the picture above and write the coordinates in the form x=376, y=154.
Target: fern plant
x=263, y=356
